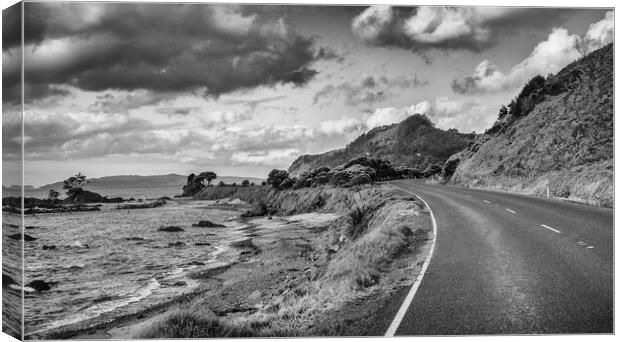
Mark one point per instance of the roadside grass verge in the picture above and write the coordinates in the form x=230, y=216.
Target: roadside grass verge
x=372, y=249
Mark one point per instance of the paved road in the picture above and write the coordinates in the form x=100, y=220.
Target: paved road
x=497, y=270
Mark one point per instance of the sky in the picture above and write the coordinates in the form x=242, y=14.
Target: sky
x=129, y=88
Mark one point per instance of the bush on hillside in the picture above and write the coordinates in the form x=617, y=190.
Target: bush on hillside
x=276, y=177
x=432, y=170
x=287, y=183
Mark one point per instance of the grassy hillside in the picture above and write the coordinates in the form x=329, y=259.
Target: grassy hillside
x=414, y=142
x=562, y=137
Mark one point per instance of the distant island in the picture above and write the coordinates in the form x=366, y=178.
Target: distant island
x=136, y=181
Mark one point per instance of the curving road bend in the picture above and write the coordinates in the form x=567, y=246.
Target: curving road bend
x=512, y=264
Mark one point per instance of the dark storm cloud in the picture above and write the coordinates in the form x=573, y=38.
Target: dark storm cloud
x=450, y=28
x=212, y=49
x=11, y=26
x=367, y=90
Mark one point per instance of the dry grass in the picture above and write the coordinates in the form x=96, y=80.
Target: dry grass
x=196, y=322
x=386, y=227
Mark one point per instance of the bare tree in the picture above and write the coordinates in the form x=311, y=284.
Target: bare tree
x=584, y=46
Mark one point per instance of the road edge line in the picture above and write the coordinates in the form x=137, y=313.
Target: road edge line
x=414, y=288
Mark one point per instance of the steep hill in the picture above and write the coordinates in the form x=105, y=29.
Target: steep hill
x=561, y=136
x=414, y=142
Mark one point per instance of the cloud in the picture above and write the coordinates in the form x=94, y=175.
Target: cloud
x=263, y=138
x=11, y=27
x=62, y=136
x=367, y=89
x=548, y=56
x=390, y=115
x=450, y=28
x=340, y=126
x=281, y=156
x=279, y=144
x=214, y=49
x=121, y=102
x=445, y=113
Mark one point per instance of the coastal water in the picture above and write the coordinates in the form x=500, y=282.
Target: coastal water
x=99, y=262
x=11, y=276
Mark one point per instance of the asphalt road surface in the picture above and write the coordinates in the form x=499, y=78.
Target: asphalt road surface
x=512, y=264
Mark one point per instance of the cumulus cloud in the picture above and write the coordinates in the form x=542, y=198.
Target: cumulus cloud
x=216, y=49
x=390, y=115
x=468, y=28
x=340, y=126
x=367, y=89
x=548, y=56
x=280, y=156
x=445, y=113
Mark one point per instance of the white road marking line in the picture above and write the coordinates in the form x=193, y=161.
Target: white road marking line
x=511, y=211
x=414, y=288
x=551, y=229
x=485, y=201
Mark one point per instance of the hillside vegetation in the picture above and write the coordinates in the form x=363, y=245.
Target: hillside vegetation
x=558, y=132
x=414, y=142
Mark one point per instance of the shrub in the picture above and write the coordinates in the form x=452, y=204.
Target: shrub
x=321, y=179
x=300, y=183
x=432, y=170
x=288, y=183
x=339, y=177
x=359, y=180
x=357, y=221
x=450, y=167
x=276, y=177
x=258, y=209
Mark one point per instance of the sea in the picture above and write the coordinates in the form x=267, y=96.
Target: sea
x=107, y=261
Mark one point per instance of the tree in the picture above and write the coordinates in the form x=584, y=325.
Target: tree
x=276, y=177
x=245, y=182
x=584, y=46
x=53, y=195
x=221, y=184
x=74, y=184
x=503, y=111
x=207, y=175
x=514, y=108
